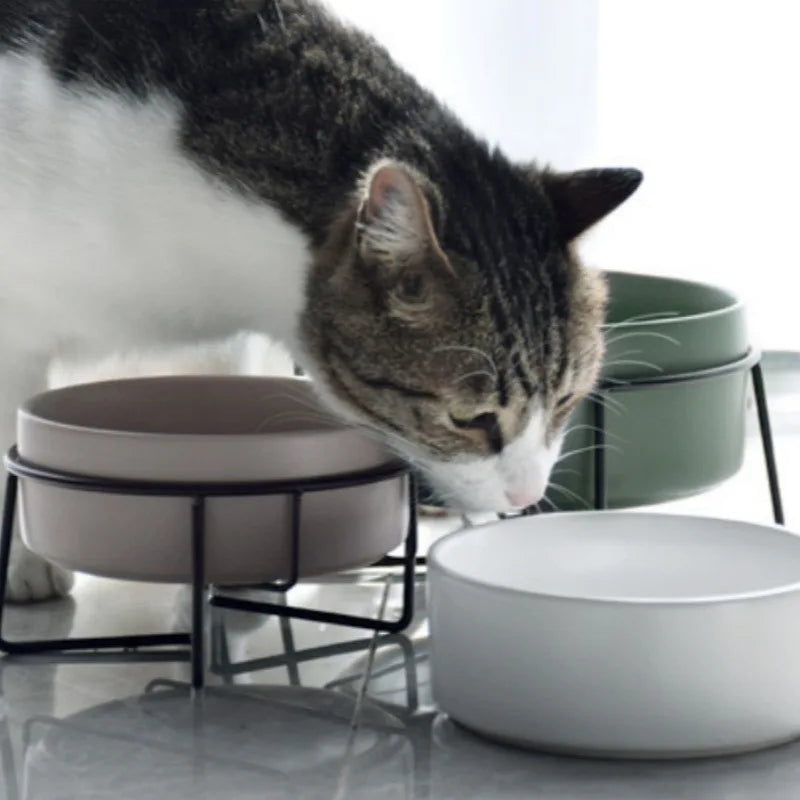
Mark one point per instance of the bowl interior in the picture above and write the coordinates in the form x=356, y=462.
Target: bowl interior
x=642, y=299
x=661, y=326
x=187, y=405
x=628, y=557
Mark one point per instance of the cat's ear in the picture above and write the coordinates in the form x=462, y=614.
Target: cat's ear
x=582, y=198
x=394, y=220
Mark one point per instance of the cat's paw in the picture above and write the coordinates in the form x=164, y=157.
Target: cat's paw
x=31, y=578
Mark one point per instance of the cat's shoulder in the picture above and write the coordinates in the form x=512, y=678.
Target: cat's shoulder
x=24, y=23
x=132, y=44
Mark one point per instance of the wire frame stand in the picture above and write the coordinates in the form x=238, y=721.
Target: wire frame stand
x=752, y=362
x=192, y=643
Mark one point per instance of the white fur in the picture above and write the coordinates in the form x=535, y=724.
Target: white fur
x=112, y=240
x=115, y=238
x=243, y=354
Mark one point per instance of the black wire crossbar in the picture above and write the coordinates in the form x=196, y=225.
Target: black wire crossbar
x=196, y=494
x=17, y=465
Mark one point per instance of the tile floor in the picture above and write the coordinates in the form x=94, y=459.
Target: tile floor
x=310, y=711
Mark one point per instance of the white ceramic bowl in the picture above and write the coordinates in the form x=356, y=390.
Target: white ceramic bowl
x=201, y=429
x=619, y=634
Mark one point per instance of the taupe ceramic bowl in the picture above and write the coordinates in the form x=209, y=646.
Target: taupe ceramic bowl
x=201, y=429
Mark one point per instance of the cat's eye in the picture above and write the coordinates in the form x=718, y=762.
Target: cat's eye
x=467, y=422
x=486, y=422
x=563, y=400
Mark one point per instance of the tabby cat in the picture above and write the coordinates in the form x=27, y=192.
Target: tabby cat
x=175, y=170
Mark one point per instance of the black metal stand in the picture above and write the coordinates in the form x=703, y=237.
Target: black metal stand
x=751, y=361
x=766, y=442
x=197, y=494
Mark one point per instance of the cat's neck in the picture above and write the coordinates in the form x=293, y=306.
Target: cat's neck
x=285, y=101
x=102, y=211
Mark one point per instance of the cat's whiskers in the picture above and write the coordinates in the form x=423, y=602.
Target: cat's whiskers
x=552, y=505
x=652, y=334
x=619, y=362
x=586, y=427
x=395, y=443
x=302, y=402
x=566, y=470
x=305, y=411
x=617, y=382
x=467, y=349
x=625, y=353
x=652, y=316
x=608, y=402
x=586, y=449
x=468, y=375
x=293, y=416
x=569, y=493
x=315, y=413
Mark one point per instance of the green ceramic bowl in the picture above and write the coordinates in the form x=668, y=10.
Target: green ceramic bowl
x=664, y=441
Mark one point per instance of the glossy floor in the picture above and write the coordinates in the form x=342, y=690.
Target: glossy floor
x=300, y=710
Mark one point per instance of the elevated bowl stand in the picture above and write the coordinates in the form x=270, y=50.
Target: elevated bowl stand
x=751, y=361
x=191, y=643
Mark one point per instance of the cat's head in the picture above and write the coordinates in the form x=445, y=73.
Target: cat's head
x=464, y=331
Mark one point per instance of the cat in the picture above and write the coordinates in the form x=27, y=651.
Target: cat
x=177, y=170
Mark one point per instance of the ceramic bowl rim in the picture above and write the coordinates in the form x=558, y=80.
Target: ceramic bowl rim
x=736, y=304
x=435, y=565
x=337, y=426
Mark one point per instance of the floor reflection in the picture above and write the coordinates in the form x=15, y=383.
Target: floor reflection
x=278, y=741
x=291, y=713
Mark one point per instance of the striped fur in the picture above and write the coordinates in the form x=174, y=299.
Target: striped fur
x=442, y=303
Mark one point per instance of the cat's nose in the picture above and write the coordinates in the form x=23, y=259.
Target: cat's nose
x=522, y=498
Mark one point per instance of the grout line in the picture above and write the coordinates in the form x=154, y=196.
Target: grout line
x=343, y=782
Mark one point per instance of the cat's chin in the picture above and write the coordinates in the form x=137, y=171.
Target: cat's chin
x=480, y=507
x=511, y=481
x=477, y=487
x=475, y=508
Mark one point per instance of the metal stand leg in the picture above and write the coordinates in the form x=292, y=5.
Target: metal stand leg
x=369, y=623
x=766, y=441
x=61, y=645
x=198, y=591
x=313, y=615
x=287, y=637
x=410, y=560
x=194, y=642
x=220, y=655
x=9, y=507
x=600, y=483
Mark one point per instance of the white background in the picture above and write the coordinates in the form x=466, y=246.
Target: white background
x=703, y=95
